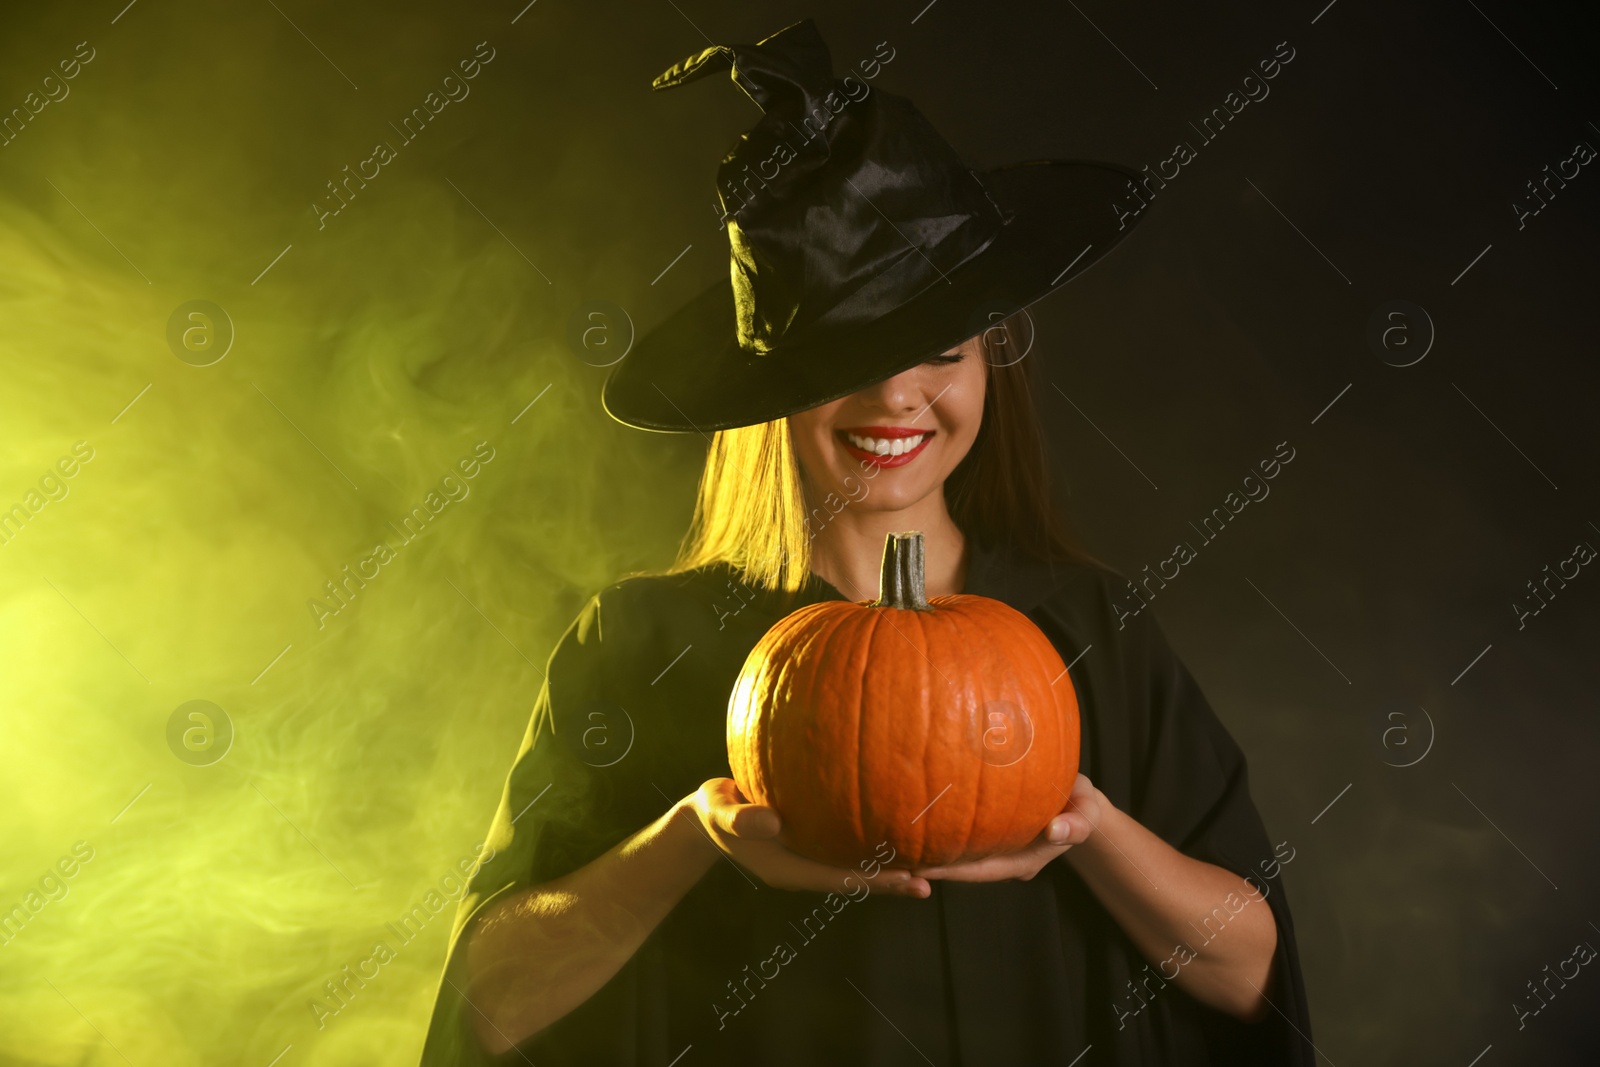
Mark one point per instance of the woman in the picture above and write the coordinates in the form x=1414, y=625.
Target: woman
x=636, y=909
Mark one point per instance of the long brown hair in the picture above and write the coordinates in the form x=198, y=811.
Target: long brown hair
x=751, y=511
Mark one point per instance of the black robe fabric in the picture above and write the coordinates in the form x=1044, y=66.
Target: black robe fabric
x=632, y=717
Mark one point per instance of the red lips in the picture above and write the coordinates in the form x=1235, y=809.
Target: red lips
x=888, y=432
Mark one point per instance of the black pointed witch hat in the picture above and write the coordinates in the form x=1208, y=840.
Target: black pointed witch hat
x=860, y=245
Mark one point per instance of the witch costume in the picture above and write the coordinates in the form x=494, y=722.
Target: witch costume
x=869, y=249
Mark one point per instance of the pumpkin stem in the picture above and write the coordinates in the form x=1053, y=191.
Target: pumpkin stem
x=901, y=583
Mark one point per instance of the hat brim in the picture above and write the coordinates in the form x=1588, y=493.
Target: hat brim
x=689, y=373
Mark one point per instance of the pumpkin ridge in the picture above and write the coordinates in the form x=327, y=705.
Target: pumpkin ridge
x=858, y=659
x=813, y=701
x=949, y=618
x=923, y=621
x=1003, y=658
x=1007, y=693
x=775, y=673
x=776, y=733
x=1024, y=794
x=988, y=770
x=1016, y=690
x=771, y=677
x=1066, y=749
x=1066, y=719
x=859, y=819
x=877, y=620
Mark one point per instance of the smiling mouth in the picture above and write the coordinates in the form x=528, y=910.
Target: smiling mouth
x=885, y=446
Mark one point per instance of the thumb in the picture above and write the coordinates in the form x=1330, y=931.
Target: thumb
x=731, y=815
x=754, y=820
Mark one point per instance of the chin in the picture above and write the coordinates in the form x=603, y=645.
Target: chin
x=892, y=497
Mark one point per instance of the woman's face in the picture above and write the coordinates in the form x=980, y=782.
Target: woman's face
x=929, y=415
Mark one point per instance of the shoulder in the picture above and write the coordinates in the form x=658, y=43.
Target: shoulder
x=1087, y=603
x=643, y=593
x=652, y=590
x=1073, y=586
x=625, y=634
x=644, y=608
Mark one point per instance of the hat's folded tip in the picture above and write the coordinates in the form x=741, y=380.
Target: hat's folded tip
x=696, y=66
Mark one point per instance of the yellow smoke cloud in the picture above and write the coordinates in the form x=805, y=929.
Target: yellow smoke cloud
x=240, y=861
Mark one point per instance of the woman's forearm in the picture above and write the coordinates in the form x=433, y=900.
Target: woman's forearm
x=1206, y=930
x=536, y=954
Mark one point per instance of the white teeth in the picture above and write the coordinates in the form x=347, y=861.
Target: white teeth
x=882, y=446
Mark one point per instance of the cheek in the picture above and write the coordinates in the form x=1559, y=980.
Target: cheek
x=962, y=409
x=812, y=440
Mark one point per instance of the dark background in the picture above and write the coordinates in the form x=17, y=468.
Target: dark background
x=1349, y=602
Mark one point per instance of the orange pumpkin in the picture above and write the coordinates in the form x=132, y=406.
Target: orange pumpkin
x=946, y=727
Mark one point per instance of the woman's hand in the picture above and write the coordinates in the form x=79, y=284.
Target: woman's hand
x=1072, y=826
x=748, y=834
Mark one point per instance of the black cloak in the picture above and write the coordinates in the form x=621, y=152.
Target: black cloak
x=632, y=717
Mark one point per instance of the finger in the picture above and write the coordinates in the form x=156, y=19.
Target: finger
x=1068, y=829
x=1088, y=801
x=797, y=872
x=992, y=869
x=730, y=814
x=754, y=821
x=1080, y=790
x=794, y=871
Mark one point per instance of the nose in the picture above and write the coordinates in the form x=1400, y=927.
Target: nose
x=900, y=393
